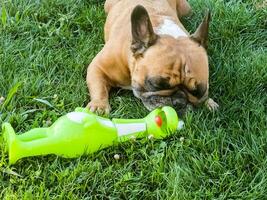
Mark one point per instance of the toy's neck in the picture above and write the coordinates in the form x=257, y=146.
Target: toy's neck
x=130, y=128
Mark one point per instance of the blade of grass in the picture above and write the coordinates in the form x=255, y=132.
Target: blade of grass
x=43, y=101
x=4, y=16
x=10, y=95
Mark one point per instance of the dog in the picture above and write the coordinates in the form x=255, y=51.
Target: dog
x=148, y=50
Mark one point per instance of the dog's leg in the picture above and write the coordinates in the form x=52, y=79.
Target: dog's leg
x=183, y=8
x=98, y=87
x=109, y=3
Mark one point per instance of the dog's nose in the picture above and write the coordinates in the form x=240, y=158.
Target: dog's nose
x=179, y=99
x=157, y=83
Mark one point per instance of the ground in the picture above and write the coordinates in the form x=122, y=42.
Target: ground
x=46, y=47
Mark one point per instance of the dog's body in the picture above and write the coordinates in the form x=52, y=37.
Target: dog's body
x=148, y=50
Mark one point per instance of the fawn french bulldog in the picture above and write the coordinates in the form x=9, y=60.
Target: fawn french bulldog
x=148, y=50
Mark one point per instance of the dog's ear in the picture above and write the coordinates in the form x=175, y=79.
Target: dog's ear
x=201, y=34
x=143, y=35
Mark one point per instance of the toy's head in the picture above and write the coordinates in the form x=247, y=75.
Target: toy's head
x=163, y=122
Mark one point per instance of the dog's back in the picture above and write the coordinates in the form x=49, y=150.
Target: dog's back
x=118, y=20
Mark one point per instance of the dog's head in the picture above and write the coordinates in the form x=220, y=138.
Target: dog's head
x=165, y=69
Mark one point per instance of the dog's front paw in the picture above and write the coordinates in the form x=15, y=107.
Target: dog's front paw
x=211, y=105
x=99, y=107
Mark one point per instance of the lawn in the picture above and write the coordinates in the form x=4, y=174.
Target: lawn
x=45, y=48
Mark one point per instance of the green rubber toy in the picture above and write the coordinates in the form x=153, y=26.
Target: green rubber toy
x=82, y=132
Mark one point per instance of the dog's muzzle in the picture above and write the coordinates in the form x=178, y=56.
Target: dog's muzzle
x=151, y=100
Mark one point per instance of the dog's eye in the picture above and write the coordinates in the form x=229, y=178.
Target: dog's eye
x=157, y=83
x=199, y=91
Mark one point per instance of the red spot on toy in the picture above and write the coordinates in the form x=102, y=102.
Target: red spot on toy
x=158, y=120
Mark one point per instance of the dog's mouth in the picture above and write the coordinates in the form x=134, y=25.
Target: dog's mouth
x=175, y=98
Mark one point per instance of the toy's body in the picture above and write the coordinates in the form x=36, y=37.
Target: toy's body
x=82, y=132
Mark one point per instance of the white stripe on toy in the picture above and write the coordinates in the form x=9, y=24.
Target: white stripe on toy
x=127, y=129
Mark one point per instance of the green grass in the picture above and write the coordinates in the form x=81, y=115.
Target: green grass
x=45, y=48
